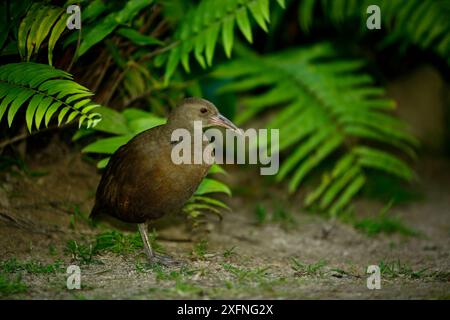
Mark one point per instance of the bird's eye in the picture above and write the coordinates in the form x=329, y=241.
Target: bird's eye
x=203, y=110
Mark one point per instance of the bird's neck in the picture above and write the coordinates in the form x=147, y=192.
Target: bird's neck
x=186, y=125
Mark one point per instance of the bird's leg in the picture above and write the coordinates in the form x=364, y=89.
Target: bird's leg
x=147, y=247
x=153, y=257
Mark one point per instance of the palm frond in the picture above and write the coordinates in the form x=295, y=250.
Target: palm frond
x=199, y=31
x=48, y=91
x=326, y=108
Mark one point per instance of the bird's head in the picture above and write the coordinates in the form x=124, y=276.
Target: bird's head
x=196, y=109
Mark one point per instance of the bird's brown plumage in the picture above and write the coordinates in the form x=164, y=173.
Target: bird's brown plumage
x=141, y=182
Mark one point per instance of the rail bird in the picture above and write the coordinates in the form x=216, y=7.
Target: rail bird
x=142, y=183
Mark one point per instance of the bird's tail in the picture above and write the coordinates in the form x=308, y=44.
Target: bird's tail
x=95, y=211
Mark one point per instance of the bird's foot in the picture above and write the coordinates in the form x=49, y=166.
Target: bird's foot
x=164, y=260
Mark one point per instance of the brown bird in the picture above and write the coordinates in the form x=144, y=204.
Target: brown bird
x=142, y=183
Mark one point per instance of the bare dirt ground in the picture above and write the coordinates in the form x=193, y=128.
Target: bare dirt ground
x=240, y=258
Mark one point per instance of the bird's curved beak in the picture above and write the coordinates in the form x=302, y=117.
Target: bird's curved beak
x=221, y=121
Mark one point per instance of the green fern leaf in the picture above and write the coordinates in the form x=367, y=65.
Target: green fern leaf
x=36, y=26
x=45, y=88
x=414, y=22
x=199, y=30
x=57, y=31
x=323, y=106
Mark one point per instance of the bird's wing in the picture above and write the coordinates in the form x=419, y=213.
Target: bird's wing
x=127, y=172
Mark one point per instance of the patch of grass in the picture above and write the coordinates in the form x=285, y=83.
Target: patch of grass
x=181, y=287
x=35, y=267
x=162, y=273
x=186, y=288
x=279, y=215
x=228, y=253
x=118, y=242
x=443, y=276
x=112, y=241
x=52, y=250
x=388, y=225
x=396, y=269
x=200, y=249
x=121, y=243
x=79, y=296
x=10, y=286
x=387, y=188
x=381, y=223
x=83, y=253
x=244, y=275
x=303, y=269
x=261, y=214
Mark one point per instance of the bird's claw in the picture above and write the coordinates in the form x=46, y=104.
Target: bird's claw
x=166, y=261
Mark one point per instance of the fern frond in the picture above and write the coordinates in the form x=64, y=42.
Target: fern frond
x=202, y=26
x=48, y=91
x=326, y=106
x=425, y=24
x=40, y=21
x=201, y=202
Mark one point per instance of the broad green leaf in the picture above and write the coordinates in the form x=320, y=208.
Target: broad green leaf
x=211, y=43
x=107, y=24
x=227, y=35
x=244, y=24
x=107, y=145
x=40, y=111
x=32, y=106
x=138, y=38
x=57, y=30
x=17, y=103
x=212, y=186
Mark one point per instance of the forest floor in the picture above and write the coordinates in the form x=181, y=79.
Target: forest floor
x=267, y=247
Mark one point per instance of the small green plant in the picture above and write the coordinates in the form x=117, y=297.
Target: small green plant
x=200, y=249
x=260, y=213
x=279, y=215
x=162, y=273
x=118, y=242
x=112, y=241
x=35, y=267
x=285, y=218
x=302, y=269
x=11, y=286
x=389, y=225
x=381, y=223
x=395, y=269
x=228, y=253
x=183, y=287
x=244, y=275
x=83, y=253
x=387, y=189
x=52, y=250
